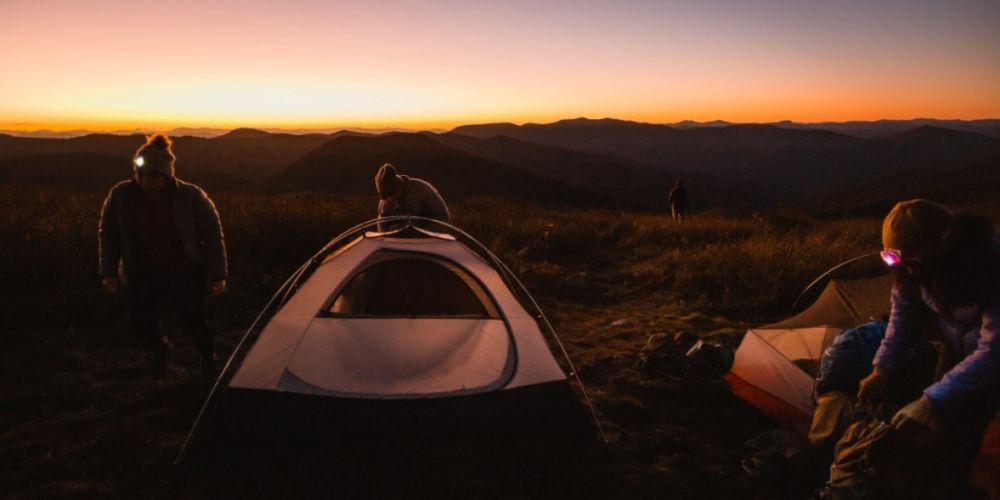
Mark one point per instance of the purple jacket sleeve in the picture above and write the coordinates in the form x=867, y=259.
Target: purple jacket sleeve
x=979, y=369
x=904, y=326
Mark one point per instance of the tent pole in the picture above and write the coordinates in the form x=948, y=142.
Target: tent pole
x=827, y=273
x=229, y=362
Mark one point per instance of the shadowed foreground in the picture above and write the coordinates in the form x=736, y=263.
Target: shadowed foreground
x=81, y=416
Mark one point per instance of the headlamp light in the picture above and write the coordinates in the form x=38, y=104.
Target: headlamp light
x=891, y=257
x=139, y=161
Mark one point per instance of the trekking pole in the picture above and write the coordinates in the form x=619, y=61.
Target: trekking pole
x=229, y=362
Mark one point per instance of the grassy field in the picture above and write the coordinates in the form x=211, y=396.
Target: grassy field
x=83, y=418
x=747, y=267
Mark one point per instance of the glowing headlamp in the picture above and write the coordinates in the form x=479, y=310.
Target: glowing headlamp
x=139, y=161
x=891, y=257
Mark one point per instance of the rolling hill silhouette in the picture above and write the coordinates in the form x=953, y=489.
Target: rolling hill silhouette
x=970, y=183
x=583, y=162
x=93, y=172
x=347, y=165
x=81, y=171
x=244, y=153
x=883, y=128
x=119, y=146
x=604, y=173
x=791, y=164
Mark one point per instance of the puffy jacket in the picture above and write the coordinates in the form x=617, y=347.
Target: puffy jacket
x=973, y=331
x=194, y=214
x=417, y=197
x=849, y=358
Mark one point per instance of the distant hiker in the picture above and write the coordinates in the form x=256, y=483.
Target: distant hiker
x=405, y=195
x=947, y=271
x=678, y=200
x=165, y=237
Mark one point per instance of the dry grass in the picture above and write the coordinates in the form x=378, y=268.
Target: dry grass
x=741, y=266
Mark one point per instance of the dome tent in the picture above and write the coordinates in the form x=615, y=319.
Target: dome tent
x=776, y=364
x=411, y=330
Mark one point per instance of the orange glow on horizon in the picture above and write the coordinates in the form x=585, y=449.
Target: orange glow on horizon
x=310, y=64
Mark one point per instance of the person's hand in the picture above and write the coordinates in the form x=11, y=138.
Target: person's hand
x=874, y=386
x=217, y=287
x=110, y=285
x=917, y=412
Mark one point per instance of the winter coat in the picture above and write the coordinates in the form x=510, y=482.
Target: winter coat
x=194, y=215
x=849, y=358
x=972, y=331
x=678, y=198
x=418, y=198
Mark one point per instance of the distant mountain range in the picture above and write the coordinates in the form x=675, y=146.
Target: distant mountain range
x=208, y=132
x=869, y=129
x=780, y=163
x=580, y=162
x=864, y=129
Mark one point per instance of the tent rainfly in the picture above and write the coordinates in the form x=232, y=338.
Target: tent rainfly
x=405, y=330
x=775, y=366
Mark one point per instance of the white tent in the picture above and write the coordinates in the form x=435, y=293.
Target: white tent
x=416, y=315
x=396, y=330
x=777, y=363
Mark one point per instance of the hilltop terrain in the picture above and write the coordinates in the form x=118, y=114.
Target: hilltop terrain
x=576, y=209
x=580, y=162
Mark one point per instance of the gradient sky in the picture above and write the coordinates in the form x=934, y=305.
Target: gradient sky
x=324, y=63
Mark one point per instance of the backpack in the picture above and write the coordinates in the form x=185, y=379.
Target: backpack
x=875, y=461
x=663, y=354
x=682, y=354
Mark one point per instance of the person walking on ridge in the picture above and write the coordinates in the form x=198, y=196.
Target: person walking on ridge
x=678, y=201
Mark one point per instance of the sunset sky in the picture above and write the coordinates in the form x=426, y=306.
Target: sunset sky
x=112, y=64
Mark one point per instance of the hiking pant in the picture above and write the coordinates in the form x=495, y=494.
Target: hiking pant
x=677, y=212
x=187, y=292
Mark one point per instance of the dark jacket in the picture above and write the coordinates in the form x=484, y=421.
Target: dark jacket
x=678, y=198
x=194, y=215
x=417, y=197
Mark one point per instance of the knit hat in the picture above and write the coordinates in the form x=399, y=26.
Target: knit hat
x=920, y=228
x=155, y=156
x=387, y=181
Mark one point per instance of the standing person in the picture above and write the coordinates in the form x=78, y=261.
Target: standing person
x=163, y=238
x=947, y=271
x=405, y=195
x=678, y=200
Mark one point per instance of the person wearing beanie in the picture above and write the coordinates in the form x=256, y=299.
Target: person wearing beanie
x=161, y=238
x=947, y=272
x=404, y=195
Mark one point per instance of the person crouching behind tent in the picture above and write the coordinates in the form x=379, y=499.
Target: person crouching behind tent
x=405, y=195
x=947, y=269
x=165, y=237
